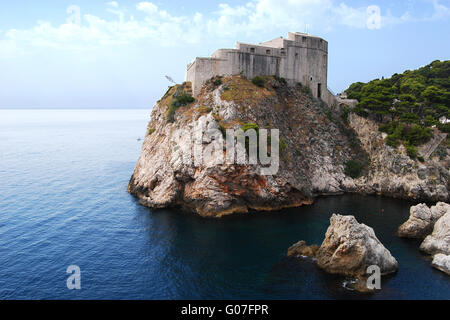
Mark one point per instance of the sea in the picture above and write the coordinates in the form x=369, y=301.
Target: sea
x=64, y=202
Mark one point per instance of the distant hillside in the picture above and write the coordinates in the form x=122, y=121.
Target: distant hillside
x=407, y=104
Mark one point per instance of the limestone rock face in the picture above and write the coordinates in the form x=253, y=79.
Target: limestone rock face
x=421, y=220
x=350, y=247
x=317, y=144
x=439, y=240
x=301, y=249
x=442, y=262
x=393, y=173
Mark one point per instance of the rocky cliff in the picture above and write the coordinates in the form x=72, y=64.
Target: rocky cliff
x=316, y=146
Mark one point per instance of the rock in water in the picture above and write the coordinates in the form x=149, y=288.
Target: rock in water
x=439, y=240
x=350, y=247
x=421, y=220
x=301, y=249
x=442, y=262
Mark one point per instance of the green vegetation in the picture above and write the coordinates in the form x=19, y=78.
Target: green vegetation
x=353, y=168
x=151, y=131
x=283, y=145
x=413, y=135
x=217, y=82
x=259, y=81
x=344, y=114
x=328, y=113
x=247, y=126
x=411, y=150
x=179, y=99
x=280, y=80
x=305, y=90
x=407, y=104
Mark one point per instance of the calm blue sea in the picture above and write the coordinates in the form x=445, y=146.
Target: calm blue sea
x=64, y=201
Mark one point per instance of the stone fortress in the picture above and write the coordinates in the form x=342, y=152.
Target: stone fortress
x=300, y=58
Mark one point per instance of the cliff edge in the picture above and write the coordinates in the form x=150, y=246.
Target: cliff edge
x=318, y=149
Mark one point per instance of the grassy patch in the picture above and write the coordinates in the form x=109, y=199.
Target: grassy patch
x=259, y=81
x=239, y=89
x=179, y=99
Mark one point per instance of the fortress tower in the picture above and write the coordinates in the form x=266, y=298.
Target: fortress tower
x=299, y=58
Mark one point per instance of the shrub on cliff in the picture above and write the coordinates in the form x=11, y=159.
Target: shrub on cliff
x=411, y=150
x=409, y=135
x=353, y=168
x=259, y=81
x=281, y=80
x=179, y=99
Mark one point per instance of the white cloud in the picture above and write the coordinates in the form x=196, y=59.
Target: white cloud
x=147, y=7
x=227, y=21
x=113, y=4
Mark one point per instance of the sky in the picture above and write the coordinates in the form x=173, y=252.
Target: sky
x=116, y=54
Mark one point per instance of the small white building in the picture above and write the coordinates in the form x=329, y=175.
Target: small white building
x=444, y=120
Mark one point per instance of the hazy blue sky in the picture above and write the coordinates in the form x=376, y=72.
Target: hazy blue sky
x=120, y=51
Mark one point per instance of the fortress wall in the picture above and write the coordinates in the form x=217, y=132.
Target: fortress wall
x=252, y=65
x=258, y=49
x=203, y=69
x=300, y=58
x=275, y=43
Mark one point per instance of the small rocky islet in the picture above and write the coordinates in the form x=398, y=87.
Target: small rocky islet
x=349, y=247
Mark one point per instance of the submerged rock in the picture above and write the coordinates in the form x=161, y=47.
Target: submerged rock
x=350, y=248
x=442, y=262
x=421, y=220
x=301, y=249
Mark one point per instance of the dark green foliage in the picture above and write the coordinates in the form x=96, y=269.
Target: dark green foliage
x=283, y=145
x=353, y=168
x=344, y=115
x=249, y=126
x=328, y=114
x=410, y=103
x=280, y=80
x=411, y=150
x=413, y=135
x=414, y=97
x=305, y=90
x=184, y=98
x=179, y=99
x=259, y=81
x=223, y=130
x=217, y=82
x=444, y=127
